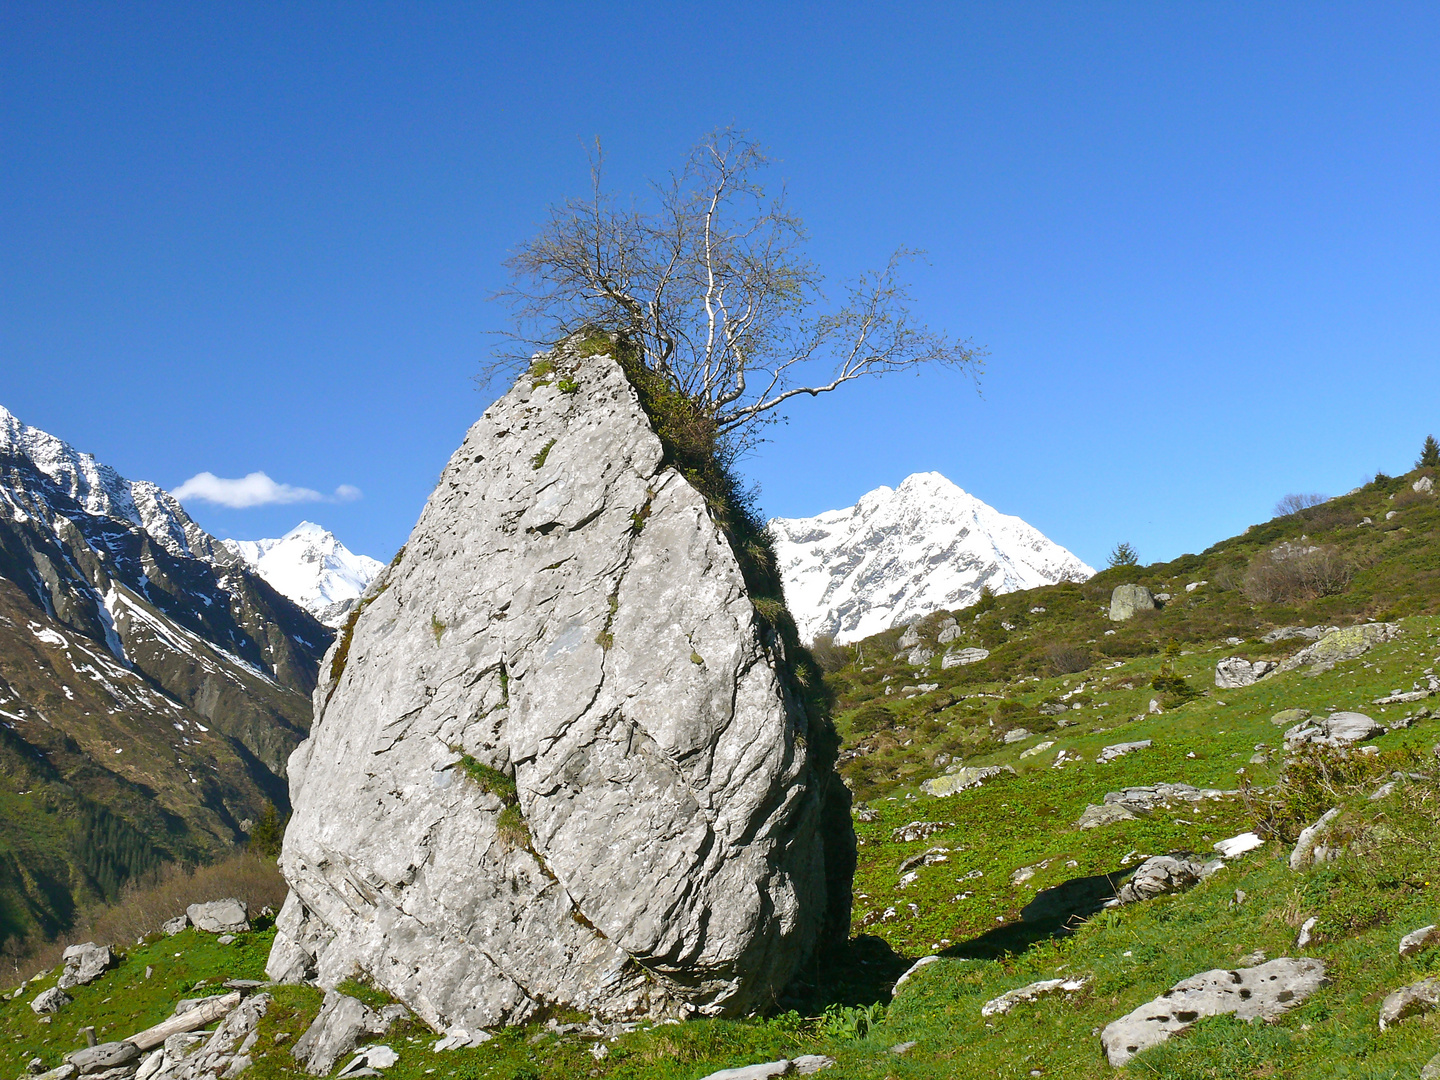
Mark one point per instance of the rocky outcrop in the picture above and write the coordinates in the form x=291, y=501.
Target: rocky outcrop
x=561, y=760
x=1337, y=729
x=1413, y=1000
x=229, y=916
x=1126, y=600
x=963, y=777
x=1235, y=672
x=1162, y=874
x=1257, y=993
x=1340, y=645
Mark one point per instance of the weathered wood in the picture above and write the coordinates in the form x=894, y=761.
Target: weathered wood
x=198, y=1017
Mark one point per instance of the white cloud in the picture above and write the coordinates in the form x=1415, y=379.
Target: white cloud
x=254, y=489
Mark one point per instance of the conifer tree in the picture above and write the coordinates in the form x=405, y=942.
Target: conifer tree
x=1123, y=555
x=268, y=832
x=1429, y=454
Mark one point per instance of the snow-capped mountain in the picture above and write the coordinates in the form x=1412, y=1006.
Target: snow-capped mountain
x=900, y=553
x=312, y=568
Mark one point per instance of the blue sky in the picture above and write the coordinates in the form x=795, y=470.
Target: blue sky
x=1201, y=242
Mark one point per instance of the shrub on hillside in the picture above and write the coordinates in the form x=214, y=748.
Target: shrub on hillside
x=828, y=655
x=1293, y=503
x=1068, y=659
x=1289, y=573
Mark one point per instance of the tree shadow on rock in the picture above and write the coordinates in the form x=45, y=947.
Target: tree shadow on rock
x=1053, y=913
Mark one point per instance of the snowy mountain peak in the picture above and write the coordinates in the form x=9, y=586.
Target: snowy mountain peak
x=312, y=568
x=900, y=553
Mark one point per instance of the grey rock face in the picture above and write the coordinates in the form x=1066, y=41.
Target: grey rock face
x=335, y=1032
x=1126, y=600
x=909, y=639
x=229, y=916
x=83, y=964
x=1263, y=993
x=919, y=657
x=1235, y=672
x=961, y=657
x=567, y=613
x=1162, y=874
x=1412, y=1000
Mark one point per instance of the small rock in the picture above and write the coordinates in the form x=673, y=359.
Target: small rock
x=50, y=1001
x=764, y=1071
x=809, y=1064
x=904, y=1048
x=175, y=925
x=1038, y=748
x=1307, y=932
x=1238, y=845
x=1015, y=735
x=225, y=939
x=866, y=813
x=1303, y=854
x=35, y=1066
x=1423, y=486
x=963, y=779
x=1119, y=750
x=1108, y=814
x=1290, y=717
x=1418, y=940
x=229, y=916
x=1412, y=1000
x=110, y=1055
x=1339, y=645
x=919, y=657
x=1155, y=709
x=918, y=830
x=961, y=657
x=1235, y=672
x=1005, y=1002
x=909, y=639
x=84, y=964
x=1161, y=874
x=924, y=961
x=1431, y=1071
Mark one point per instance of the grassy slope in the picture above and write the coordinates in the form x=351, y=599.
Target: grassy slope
x=1386, y=886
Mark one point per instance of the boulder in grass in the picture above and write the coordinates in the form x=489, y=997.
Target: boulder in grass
x=50, y=1001
x=228, y=916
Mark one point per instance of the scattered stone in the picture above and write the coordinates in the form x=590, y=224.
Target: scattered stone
x=1289, y=633
x=924, y=961
x=1423, y=486
x=1154, y=708
x=963, y=779
x=961, y=657
x=50, y=1001
x=1192, y=586
x=62, y=1072
x=1384, y=790
x=933, y=857
x=1025, y=994
x=1106, y=814
x=1417, y=940
x=84, y=964
x=1038, y=748
x=460, y=1038
x=1307, y=932
x=1304, y=853
x=1412, y=1000
x=909, y=639
x=1126, y=600
x=1015, y=735
x=948, y=634
x=1402, y=697
x=809, y=1064
x=1119, y=750
x=904, y=1048
x=783, y=1067
x=1142, y=800
x=1263, y=992
x=229, y=916
x=1235, y=672
x=335, y=1032
x=866, y=813
x=919, y=657
x=1238, y=845
x=225, y=939
x=1340, y=645
x=918, y=830
x=175, y=925
x=1161, y=874
x=1337, y=729
x=369, y=1059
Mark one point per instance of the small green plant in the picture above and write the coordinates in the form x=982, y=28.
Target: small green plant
x=437, y=628
x=637, y=522
x=511, y=828
x=538, y=461
x=605, y=639
x=491, y=780
x=1123, y=555
x=843, y=1022
x=696, y=658
x=568, y=386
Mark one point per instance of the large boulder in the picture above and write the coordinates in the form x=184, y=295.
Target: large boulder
x=229, y=916
x=1235, y=672
x=1126, y=600
x=1338, y=730
x=83, y=964
x=1256, y=993
x=559, y=758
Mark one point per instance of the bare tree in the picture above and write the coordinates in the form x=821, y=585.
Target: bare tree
x=711, y=283
x=1293, y=504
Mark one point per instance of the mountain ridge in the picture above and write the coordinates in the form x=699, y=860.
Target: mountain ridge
x=311, y=567
x=901, y=553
